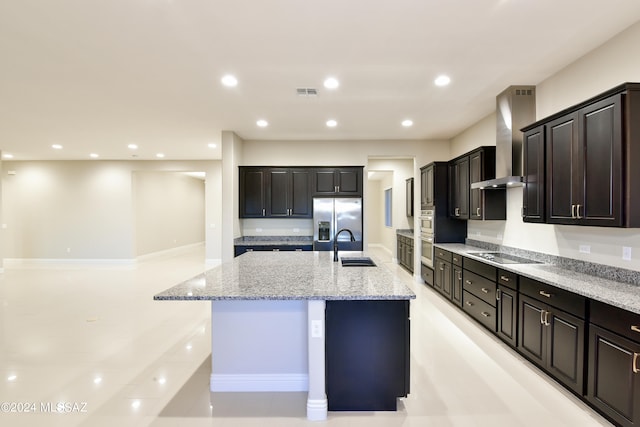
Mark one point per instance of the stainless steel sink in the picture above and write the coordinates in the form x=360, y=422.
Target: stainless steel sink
x=357, y=262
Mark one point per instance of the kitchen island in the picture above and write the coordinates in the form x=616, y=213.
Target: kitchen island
x=269, y=311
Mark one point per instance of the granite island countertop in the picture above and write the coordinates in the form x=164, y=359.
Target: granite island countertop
x=273, y=241
x=291, y=276
x=618, y=294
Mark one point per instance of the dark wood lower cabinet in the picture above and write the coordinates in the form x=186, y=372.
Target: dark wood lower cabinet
x=507, y=312
x=367, y=354
x=554, y=340
x=456, y=285
x=443, y=277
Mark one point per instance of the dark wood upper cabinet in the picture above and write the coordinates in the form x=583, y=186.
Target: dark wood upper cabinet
x=340, y=181
x=459, y=188
x=467, y=203
x=590, y=156
x=252, y=192
x=533, y=207
x=288, y=193
x=426, y=186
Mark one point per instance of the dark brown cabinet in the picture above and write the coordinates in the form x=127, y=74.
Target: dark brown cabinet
x=456, y=280
x=367, y=354
x=613, y=372
x=340, y=181
x=288, y=193
x=459, y=188
x=533, y=206
x=589, y=154
x=479, y=292
x=479, y=204
x=584, y=168
x=426, y=186
x=507, y=307
x=405, y=248
x=550, y=335
x=409, y=196
x=442, y=272
x=253, y=185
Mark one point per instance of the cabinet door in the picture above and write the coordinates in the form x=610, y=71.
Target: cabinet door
x=252, y=192
x=456, y=285
x=279, y=193
x=565, y=349
x=349, y=181
x=409, y=196
x=531, y=330
x=459, y=195
x=507, y=312
x=446, y=279
x=476, y=174
x=561, y=140
x=614, y=384
x=325, y=182
x=600, y=163
x=426, y=187
x=534, y=172
x=410, y=263
x=300, y=200
x=439, y=275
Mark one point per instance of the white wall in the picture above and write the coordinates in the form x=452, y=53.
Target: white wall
x=169, y=211
x=611, y=64
x=374, y=206
x=79, y=209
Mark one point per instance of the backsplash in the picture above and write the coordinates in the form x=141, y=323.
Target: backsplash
x=594, y=269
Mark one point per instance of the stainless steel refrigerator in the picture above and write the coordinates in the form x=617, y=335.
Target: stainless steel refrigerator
x=330, y=215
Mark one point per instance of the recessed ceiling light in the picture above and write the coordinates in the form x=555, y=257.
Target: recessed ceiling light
x=12, y=377
x=442, y=80
x=56, y=147
x=7, y=156
x=160, y=155
x=262, y=123
x=331, y=83
x=212, y=145
x=332, y=123
x=97, y=380
x=407, y=123
x=132, y=147
x=94, y=155
x=229, y=81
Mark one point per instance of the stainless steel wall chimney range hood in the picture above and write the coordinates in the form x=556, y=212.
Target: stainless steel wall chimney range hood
x=515, y=109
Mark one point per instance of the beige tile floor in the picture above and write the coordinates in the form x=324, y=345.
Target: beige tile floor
x=94, y=338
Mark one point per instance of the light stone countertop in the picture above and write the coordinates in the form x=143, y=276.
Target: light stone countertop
x=618, y=294
x=291, y=276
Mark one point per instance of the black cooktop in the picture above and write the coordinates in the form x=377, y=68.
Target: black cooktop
x=501, y=258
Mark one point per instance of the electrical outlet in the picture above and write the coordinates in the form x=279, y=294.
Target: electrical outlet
x=626, y=253
x=316, y=329
x=585, y=249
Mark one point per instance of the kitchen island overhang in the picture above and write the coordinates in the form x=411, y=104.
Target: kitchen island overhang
x=268, y=313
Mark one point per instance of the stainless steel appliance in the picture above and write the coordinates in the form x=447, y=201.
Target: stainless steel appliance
x=333, y=214
x=427, y=220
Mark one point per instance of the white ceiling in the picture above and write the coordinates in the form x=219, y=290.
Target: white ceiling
x=96, y=75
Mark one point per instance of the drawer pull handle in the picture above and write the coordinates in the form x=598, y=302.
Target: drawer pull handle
x=498, y=292
x=635, y=364
x=578, y=212
x=249, y=250
x=442, y=268
x=468, y=282
x=573, y=212
x=485, y=290
x=455, y=259
x=485, y=314
x=635, y=328
x=545, y=294
x=504, y=278
x=477, y=211
x=546, y=318
x=542, y=317
x=459, y=275
x=469, y=303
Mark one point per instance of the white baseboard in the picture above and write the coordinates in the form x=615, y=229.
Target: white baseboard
x=317, y=409
x=65, y=262
x=169, y=252
x=259, y=382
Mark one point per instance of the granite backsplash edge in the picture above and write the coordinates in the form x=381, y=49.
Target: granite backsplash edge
x=594, y=269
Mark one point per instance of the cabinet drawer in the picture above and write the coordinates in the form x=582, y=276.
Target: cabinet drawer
x=615, y=319
x=481, y=287
x=480, y=268
x=443, y=255
x=427, y=274
x=508, y=279
x=556, y=297
x=479, y=310
x=456, y=259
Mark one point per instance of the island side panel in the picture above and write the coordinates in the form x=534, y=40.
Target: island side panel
x=317, y=404
x=259, y=345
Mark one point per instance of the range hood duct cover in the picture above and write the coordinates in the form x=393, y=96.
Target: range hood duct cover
x=515, y=109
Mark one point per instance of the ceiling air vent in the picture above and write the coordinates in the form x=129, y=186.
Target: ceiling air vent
x=307, y=91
